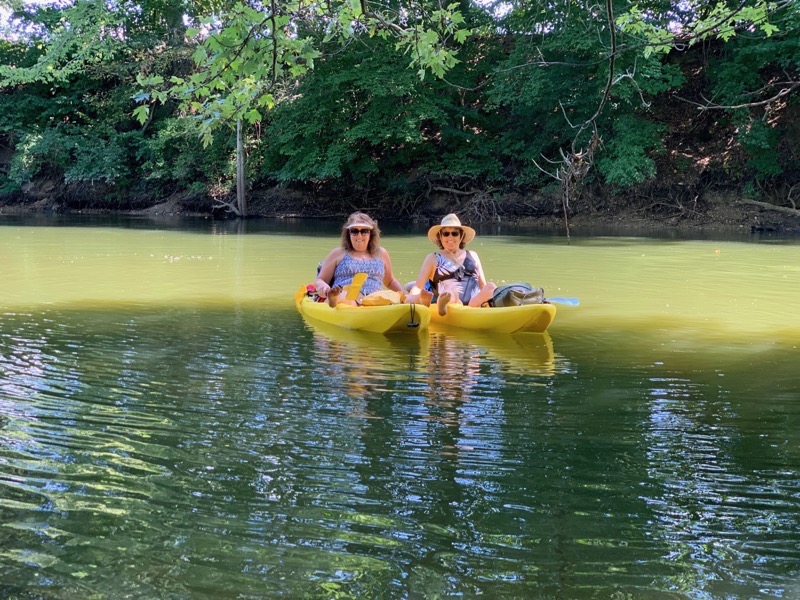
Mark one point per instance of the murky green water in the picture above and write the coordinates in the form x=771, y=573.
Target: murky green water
x=171, y=428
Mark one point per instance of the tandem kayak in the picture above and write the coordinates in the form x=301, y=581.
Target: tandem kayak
x=532, y=318
x=390, y=318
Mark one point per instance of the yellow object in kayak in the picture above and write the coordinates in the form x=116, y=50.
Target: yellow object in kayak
x=533, y=318
x=390, y=318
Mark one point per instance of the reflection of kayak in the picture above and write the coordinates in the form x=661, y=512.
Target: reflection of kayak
x=377, y=319
x=534, y=318
x=361, y=364
x=366, y=341
x=531, y=354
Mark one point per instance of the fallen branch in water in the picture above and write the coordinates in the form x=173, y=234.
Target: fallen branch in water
x=768, y=206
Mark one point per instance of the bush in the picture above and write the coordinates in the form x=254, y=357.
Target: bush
x=77, y=154
x=627, y=160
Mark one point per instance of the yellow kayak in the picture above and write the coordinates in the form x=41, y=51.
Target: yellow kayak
x=532, y=318
x=389, y=318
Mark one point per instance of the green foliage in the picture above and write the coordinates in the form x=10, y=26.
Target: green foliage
x=658, y=39
x=761, y=143
x=426, y=45
x=75, y=131
x=249, y=51
x=749, y=65
x=764, y=65
x=627, y=159
x=644, y=79
x=78, y=154
x=7, y=186
x=334, y=96
x=237, y=66
x=362, y=116
x=83, y=35
x=357, y=109
x=171, y=156
x=699, y=21
x=65, y=40
x=544, y=89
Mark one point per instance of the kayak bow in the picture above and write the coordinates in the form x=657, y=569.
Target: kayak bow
x=533, y=318
x=388, y=318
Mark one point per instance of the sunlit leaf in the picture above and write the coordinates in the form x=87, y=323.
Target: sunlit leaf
x=142, y=113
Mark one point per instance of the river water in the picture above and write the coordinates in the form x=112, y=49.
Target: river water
x=170, y=427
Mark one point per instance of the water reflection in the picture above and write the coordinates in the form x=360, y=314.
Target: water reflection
x=528, y=354
x=433, y=447
x=711, y=508
x=361, y=364
x=201, y=440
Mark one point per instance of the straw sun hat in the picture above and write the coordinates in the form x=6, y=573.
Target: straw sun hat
x=451, y=220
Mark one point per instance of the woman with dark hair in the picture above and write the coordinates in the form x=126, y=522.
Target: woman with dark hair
x=360, y=252
x=455, y=273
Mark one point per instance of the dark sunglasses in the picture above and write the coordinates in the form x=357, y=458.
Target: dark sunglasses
x=360, y=231
x=449, y=233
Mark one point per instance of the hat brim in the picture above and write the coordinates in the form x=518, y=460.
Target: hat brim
x=433, y=233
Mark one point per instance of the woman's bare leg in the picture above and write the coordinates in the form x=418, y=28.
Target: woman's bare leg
x=484, y=295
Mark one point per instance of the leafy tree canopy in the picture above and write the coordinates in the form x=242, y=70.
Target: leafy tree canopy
x=390, y=96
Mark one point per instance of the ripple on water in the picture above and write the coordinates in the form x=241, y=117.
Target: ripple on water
x=205, y=453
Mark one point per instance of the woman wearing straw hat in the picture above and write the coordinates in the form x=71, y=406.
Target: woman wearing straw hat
x=455, y=273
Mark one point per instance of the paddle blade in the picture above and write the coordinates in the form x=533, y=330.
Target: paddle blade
x=354, y=289
x=567, y=301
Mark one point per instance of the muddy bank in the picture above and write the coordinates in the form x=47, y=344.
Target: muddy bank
x=711, y=212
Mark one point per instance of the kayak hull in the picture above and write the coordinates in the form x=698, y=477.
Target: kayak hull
x=526, y=318
x=391, y=318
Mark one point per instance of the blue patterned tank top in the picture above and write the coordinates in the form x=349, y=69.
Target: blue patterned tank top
x=349, y=266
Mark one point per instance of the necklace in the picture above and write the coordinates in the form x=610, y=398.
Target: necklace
x=454, y=255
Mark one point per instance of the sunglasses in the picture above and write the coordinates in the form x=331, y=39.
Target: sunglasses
x=449, y=233
x=360, y=231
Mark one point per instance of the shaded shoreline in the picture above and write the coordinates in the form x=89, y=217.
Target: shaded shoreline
x=714, y=214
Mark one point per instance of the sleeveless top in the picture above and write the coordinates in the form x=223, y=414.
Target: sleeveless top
x=465, y=276
x=349, y=266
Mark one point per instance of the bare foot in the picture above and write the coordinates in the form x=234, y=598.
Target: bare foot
x=442, y=302
x=425, y=297
x=333, y=296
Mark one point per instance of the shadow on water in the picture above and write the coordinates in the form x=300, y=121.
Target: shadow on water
x=403, y=227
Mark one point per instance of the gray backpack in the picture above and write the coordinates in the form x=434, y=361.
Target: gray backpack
x=516, y=294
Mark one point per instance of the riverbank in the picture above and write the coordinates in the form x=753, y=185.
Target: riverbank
x=712, y=212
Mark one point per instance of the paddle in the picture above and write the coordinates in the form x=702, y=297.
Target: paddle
x=354, y=289
x=567, y=301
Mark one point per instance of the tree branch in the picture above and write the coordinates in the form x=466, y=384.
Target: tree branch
x=768, y=206
x=793, y=85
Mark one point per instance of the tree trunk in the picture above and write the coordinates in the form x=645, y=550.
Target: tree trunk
x=241, y=200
